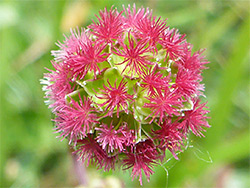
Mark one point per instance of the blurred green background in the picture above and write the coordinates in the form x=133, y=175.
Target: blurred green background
x=30, y=154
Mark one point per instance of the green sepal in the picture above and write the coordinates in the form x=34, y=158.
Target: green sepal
x=75, y=95
x=114, y=60
x=131, y=85
x=160, y=57
x=188, y=105
x=139, y=103
x=103, y=65
x=92, y=87
x=112, y=75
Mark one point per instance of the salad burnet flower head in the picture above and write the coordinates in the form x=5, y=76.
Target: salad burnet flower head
x=125, y=90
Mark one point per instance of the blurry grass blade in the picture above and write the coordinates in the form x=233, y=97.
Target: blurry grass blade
x=59, y=11
x=232, y=150
x=32, y=54
x=185, y=16
x=217, y=28
x=231, y=78
x=18, y=93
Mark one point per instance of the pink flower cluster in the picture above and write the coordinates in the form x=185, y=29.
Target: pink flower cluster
x=126, y=90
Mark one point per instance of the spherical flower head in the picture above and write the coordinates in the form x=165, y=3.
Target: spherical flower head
x=126, y=90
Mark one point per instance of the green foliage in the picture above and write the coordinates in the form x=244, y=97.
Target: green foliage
x=31, y=156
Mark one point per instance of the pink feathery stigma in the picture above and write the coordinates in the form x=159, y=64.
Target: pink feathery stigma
x=169, y=137
x=57, y=85
x=154, y=82
x=75, y=120
x=110, y=139
x=141, y=159
x=195, y=120
x=115, y=97
x=150, y=29
x=164, y=105
x=174, y=43
x=109, y=26
x=134, y=56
